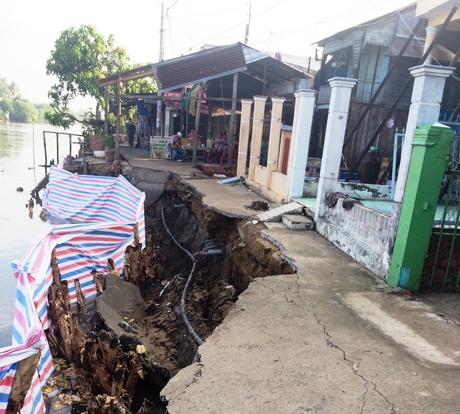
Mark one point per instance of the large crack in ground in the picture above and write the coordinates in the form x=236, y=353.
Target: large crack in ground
x=155, y=324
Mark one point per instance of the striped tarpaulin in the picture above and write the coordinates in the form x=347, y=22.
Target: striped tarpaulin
x=90, y=219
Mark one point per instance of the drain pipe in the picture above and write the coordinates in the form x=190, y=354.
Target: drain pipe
x=192, y=332
x=208, y=253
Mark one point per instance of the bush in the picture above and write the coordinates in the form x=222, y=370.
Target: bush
x=109, y=142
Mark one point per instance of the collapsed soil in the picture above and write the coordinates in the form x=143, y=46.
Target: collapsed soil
x=232, y=255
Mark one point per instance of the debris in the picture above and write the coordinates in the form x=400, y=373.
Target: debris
x=332, y=198
x=259, y=205
x=125, y=326
x=140, y=349
x=53, y=394
x=348, y=203
x=229, y=180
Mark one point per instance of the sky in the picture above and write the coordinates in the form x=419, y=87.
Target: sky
x=29, y=29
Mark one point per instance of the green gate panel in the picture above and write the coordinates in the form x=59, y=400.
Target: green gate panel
x=430, y=158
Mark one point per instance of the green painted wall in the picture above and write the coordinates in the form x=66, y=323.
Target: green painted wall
x=430, y=157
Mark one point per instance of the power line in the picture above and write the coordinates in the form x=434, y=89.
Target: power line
x=351, y=12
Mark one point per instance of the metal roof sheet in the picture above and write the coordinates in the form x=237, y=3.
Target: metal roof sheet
x=199, y=67
x=209, y=64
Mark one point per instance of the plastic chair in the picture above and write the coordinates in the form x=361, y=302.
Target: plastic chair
x=224, y=156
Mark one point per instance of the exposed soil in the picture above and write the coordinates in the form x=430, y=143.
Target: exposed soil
x=235, y=256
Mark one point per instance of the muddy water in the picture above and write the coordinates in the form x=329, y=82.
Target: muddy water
x=21, y=151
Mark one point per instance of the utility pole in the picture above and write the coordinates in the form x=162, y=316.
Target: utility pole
x=246, y=34
x=161, y=57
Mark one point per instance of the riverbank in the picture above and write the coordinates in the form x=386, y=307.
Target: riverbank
x=311, y=330
x=330, y=338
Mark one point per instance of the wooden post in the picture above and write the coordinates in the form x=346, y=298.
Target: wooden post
x=209, y=126
x=21, y=383
x=231, y=131
x=106, y=110
x=197, y=122
x=117, y=131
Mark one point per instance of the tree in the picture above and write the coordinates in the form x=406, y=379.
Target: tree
x=23, y=111
x=13, y=90
x=42, y=109
x=3, y=88
x=5, y=107
x=81, y=57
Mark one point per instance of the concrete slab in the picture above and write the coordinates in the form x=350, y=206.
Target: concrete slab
x=297, y=222
x=275, y=213
x=329, y=338
x=113, y=303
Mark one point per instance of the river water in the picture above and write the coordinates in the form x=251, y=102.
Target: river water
x=21, y=153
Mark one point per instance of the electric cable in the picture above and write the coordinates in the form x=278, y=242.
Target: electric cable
x=183, y=313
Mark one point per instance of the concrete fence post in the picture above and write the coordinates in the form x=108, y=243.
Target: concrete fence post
x=274, y=139
x=333, y=140
x=430, y=157
x=245, y=124
x=301, y=131
x=257, y=132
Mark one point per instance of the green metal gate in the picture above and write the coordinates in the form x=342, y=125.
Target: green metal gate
x=442, y=265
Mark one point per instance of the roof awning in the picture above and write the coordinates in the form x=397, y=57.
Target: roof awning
x=210, y=64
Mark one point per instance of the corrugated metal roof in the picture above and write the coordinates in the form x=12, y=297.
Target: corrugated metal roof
x=199, y=67
x=381, y=22
x=211, y=64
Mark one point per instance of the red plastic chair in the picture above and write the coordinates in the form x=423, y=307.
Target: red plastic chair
x=224, y=156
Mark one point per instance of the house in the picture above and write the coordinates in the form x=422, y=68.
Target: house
x=226, y=74
x=378, y=53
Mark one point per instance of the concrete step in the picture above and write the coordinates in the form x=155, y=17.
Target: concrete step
x=276, y=213
x=297, y=222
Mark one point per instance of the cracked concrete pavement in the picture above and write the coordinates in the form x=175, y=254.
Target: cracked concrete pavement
x=328, y=339
x=331, y=338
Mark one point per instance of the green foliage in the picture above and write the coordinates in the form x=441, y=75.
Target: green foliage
x=150, y=358
x=42, y=109
x=9, y=93
x=143, y=85
x=20, y=110
x=3, y=88
x=91, y=125
x=5, y=107
x=23, y=111
x=109, y=142
x=80, y=58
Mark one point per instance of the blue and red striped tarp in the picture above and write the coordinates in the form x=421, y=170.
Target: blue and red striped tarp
x=91, y=219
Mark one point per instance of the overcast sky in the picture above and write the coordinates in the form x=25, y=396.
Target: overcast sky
x=29, y=29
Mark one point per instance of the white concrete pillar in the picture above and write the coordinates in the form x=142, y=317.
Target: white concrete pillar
x=333, y=140
x=431, y=33
x=245, y=124
x=257, y=131
x=425, y=107
x=274, y=139
x=300, y=141
x=167, y=122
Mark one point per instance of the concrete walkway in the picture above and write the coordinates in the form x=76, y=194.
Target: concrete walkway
x=331, y=338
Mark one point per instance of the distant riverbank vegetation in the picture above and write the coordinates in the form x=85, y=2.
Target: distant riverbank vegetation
x=17, y=109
